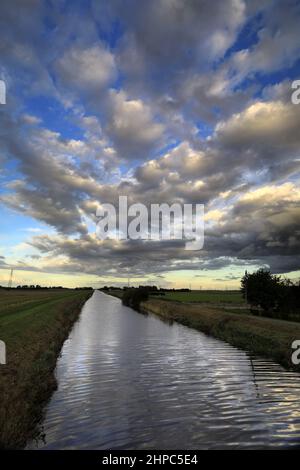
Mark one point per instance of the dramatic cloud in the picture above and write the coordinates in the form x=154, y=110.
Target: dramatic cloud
x=168, y=101
x=176, y=33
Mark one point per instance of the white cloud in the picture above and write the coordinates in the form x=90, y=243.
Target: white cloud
x=269, y=124
x=132, y=126
x=88, y=69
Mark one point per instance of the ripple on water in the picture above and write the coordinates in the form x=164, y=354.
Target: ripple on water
x=129, y=381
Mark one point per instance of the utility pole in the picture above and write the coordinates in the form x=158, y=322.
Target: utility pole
x=246, y=287
x=10, y=279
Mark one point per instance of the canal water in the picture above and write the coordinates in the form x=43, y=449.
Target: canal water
x=132, y=381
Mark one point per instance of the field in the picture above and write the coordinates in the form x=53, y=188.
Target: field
x=34, y=325
x=205, y=296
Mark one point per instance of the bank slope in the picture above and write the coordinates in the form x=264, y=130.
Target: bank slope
x=34, y=327
x=264, y=336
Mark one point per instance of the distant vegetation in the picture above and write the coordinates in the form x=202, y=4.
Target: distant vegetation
x=230, y=297
x=31, y=287
x=38, y=287
x=133, y=297
x=261, y=293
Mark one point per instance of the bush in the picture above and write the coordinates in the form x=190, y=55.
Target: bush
x=274, y=295
x=133, y=297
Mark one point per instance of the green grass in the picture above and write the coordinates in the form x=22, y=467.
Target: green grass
x=34, y=325
x=206, y=296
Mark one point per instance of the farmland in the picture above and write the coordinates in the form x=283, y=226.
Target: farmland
x=205, y=296
x=33, y=325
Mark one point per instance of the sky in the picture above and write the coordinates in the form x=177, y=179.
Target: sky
x=163, y=101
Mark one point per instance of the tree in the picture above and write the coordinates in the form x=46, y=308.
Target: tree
x=262, y=289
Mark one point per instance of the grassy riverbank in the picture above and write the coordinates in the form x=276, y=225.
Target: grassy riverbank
x=34, y=325
x=264, y=336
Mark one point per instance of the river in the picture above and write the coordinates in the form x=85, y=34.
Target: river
x=132, y=381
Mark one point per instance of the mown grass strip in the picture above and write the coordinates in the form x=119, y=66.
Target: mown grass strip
x=34, y=333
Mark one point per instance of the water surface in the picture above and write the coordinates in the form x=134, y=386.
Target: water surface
x=132, y=381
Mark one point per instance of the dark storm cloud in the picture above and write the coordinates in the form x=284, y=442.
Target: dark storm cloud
x=175, y=33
